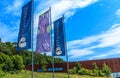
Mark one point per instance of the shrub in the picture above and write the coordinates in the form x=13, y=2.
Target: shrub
x=43, y=64
x=95, y=70
x=8, y=64
x=1, y=73
x=18, y=62
x=78, y=66
x=90, y=73
x=83, y=71
x=106, y=70
x=95, y=66
x=101, y=73
x=44, y=68
x=11, y=63
x=72, y=71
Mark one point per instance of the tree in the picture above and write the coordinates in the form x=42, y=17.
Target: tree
x=58, y=60
x=72, y=71
x=106, y=70
x=7, y=48
x=0, y=40
x=2, y=60
x=78, y=66
x=83, y=71
x=10, y=60
x=26, y=55
x=95, y=66
x=3, y=48
x=43, y=64
x=95, y=69
x=7, y=65
x=18, y=62
x=2, y=74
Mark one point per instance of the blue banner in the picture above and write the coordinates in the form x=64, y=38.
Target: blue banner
x=59, y=40
x=24, y=36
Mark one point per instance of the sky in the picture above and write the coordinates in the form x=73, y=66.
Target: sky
x=92, y=26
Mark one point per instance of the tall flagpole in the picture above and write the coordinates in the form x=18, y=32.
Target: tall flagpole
x=66, y=47
x=53, y=66
x=32, y=27
x=52, y=49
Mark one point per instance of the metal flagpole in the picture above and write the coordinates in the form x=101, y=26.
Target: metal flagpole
x=52, y=48
x=66, y=47
x=67, y=63
x=53, y=66
x=32, y=33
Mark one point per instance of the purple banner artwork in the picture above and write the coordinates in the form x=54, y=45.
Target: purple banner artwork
x=43, y=34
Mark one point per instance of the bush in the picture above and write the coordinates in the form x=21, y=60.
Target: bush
x=90, y=73
x=83, y=71
x=101, y=73
x=44, y=68
x=95, y=70
x=72, y=71
x=95, y=66
x=1, y=73
x=106, y=70
x=11, y=64
x=18, y=62
x=8, y=64
x=43, y=64
x=78, y=66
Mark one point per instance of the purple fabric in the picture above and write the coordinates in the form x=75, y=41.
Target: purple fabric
x=43, y=35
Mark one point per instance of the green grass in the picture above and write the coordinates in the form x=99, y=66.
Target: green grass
x=27, y=74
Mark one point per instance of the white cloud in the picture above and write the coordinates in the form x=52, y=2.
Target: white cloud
x=10, y=22
x=62, y=7
x=59, y=8
x=84, y=41
x=68, y=7
x=117, y=12
x=15, y=7
x=114, y=52
x=76, y=53
x=115, y=26
x=109, y=38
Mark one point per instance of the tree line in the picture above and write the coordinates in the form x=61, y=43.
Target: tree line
x=14, y=61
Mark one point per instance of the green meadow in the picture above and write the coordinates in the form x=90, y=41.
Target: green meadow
x=27, y=74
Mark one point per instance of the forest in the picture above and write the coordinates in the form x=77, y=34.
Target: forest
x=12, y=60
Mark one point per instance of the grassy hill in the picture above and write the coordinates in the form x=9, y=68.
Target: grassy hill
x=27, y=74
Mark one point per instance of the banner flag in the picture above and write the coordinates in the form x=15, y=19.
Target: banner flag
x=59, y=40
x=43, y=34
x=24, y=36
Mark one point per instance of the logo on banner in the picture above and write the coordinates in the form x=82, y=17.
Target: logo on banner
x=22, y=42
x=58, y=51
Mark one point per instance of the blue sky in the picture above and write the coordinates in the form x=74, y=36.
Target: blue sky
x=92, y=26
